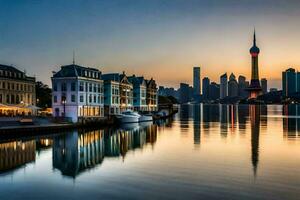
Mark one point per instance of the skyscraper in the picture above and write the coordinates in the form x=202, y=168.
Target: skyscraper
x=264, y=85
x=205, y=88
x=214, y=91
x=232, y=86
x=196, y=82
x=184, y=93
x=289, y=82
x=223, y=86
x=254, y=87
x=242, y=85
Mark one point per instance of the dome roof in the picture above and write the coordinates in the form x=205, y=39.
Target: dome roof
x=254, y=49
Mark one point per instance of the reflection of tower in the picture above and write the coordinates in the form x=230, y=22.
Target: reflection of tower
x=197, y=120
x=184, y=118
x=255, y=125
x=254, y=87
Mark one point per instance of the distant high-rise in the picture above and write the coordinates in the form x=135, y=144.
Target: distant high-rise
x=289, y=82
x=223, y=86
x=214, y=91
x=196, y=82
x=232, y=86
x=242, y=85
x=264, y=85
x=184, y=91
x=205, y=88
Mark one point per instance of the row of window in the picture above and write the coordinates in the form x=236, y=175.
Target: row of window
x=15, y=99
x=16, y=86
x=83, y=86
x=11, y=74
x=99, y=99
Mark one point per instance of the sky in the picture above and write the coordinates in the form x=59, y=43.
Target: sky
x=160, y=39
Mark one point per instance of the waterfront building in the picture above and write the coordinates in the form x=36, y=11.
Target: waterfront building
x=254, y=88
x=205, y=88
x=232, y=86
x=264, y=85
x=196, y=82
x=214, y=91
x=17, y=92
x=242, y=85
x=139, y=93
x=289, y=82
x=184, y=93
x=151, y=95
x=223, y=86
x=111, y=94
x=77, y=93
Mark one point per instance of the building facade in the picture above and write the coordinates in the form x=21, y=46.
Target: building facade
x=223, y=86
x=184, y=93
x=205, y=88
x=77, y=93
x=111, y=94
x=242, y=85
x=233, y=90
x=264, y=85
x=151, y=95
x=139, y=93
x=196, y=82
x=17, y=91
x=289, y=82
x=214, y=91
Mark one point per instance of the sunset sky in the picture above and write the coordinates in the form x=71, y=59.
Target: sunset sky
x=160, y=39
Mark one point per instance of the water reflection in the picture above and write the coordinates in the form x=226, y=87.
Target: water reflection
x=255, y=128
x=78, y=151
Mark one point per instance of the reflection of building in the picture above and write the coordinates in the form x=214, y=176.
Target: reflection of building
x=77, y=93
x=197, y=122
x=224, y=117
x=17, y=91
x=255, y=126
x=76, y=152
x=291, y=124
x=16, y=154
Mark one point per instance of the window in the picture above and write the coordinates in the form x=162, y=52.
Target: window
x=73, y=86
x=73, y=98
x=63, y=87
x=22, y=87
x=95, y=99
x=99, y=99
x=55, y=99
x=81, y=86
x=90, y=87
x=17, y=86
x=7, y=98
x=99, y=88
x=55, y=87
x=8, y=86
x=95, y=87
x=90, y=98
x=0, y=98
x=12, y=86
x=3, y=85
x=81, y=98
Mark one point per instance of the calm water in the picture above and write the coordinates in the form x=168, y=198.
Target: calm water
x=205, y=152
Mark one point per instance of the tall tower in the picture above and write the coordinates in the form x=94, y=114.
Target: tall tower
x=254, y=88
x=196, y=82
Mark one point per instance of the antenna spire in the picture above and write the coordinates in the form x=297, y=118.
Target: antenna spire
x=73, y=57
x=254, y=38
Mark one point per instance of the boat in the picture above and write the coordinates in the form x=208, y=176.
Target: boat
x=129, y=117
x=146, y=118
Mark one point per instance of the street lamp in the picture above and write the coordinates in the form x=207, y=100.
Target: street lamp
x=63, y=101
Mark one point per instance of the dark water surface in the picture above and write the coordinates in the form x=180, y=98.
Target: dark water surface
x=205, y=152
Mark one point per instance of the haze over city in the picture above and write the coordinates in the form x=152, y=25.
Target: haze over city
x=160, y=39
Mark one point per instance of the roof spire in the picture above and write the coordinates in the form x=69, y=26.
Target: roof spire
x=73, y=57
x=254, y=38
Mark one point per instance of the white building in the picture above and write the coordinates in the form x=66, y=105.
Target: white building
x=111, y=94
x=77, y=93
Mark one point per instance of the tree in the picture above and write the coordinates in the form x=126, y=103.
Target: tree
x=43, y=95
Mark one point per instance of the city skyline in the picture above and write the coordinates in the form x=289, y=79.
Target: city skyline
x=144, y=37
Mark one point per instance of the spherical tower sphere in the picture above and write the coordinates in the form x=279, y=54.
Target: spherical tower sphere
x=254, y=50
